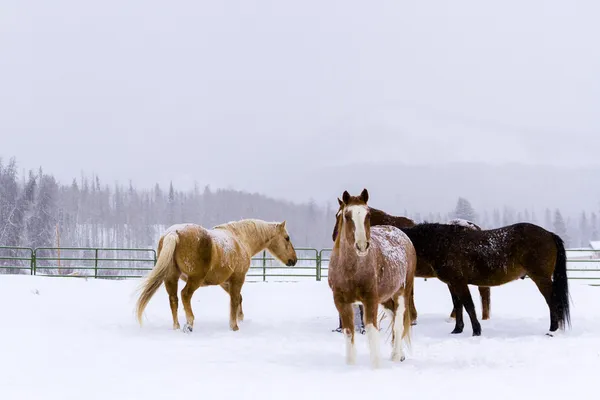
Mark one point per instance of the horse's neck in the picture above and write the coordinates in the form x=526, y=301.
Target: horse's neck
x=346, y=252
x=254, y=237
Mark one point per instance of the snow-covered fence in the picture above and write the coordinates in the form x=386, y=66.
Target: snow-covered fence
x=16, y=260
x=93, y=262
x=120, y=263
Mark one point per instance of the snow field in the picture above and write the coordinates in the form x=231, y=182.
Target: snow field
x=71, y=338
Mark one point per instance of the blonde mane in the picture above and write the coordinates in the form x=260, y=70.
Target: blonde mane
x=254, y=233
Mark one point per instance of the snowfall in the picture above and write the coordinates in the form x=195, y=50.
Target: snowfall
x=71, y=338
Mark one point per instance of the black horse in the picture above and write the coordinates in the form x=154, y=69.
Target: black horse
x=461, y=256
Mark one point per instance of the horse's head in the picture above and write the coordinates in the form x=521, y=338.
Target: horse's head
x=354, y=221
x=281, y=246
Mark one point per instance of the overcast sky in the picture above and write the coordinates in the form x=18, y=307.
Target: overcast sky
x=199, y=90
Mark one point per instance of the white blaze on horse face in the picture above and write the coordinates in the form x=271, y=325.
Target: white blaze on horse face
x=359, y=213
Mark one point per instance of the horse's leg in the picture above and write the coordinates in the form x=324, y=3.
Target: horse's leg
x=339, y=328
x=186, y=298
x=453, y=313
x=235, y=292
x=458, y=312
x=171, y=282
x=371, y=306
x=361, y=310
x=347, y=316
x=484, y=292
x=545, y=287
x=389, y=308
x=398, y=310
x=240, y=312
x=462, y=290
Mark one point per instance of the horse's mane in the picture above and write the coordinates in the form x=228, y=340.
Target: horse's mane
x=379, y=217
x=440, y=228
x=249, y=227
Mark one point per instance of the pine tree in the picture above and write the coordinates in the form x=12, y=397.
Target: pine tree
x=508, y=216
x=171, y=205
x=533, y=217
x=464, y=210
x=584, y=230
x=560, y=228
x=497, y=219
x=594, y=227
x=41, y=224
x=548, y=224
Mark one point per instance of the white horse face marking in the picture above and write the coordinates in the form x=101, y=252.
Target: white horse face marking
x=358, y=215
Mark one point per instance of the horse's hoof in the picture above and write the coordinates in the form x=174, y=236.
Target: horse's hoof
x=413, y=323
x=362, y=331
x=477, y=333
x=235, y=328
x=339, y=330
x=550, y=334
x=456, y=331
x=187, y=328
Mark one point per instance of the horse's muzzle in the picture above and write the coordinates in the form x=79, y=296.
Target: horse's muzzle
x=291, y=262
x=362, y=250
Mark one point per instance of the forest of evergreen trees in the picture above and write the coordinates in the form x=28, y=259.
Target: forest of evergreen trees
x=36, y=211
x=90, y=213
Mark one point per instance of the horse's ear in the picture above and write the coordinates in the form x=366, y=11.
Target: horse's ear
x=282, y=225
x=364, y=195
x=340, y=202
x=345, y=197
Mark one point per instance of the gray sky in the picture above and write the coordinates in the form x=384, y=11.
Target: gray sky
x=212, y=91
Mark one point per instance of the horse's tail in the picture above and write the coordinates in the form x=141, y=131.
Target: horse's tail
x=156, y=277
x=407, y=321
x=560, y=285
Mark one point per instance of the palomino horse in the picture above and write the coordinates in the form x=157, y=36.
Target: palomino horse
x=423, y=270
x=461, y=256
x=219, y=256
x=371, y=265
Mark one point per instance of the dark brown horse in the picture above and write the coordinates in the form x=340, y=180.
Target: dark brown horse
x=424, y=270
x=373, y=266
x=461, y=256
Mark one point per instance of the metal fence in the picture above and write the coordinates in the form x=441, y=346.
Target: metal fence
x=122, y=263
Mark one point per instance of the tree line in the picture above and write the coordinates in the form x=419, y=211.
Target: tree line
x=38, y=211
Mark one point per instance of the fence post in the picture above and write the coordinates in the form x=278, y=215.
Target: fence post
x=264, y=265
x=96, y=264
x=32, y=262
x=318, y=265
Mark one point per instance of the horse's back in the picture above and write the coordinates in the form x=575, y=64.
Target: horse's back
x=396, y=254
x=194, y=247
x=500, y=255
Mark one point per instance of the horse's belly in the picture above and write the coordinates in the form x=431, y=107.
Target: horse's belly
x=424, y=270
x=497, y=278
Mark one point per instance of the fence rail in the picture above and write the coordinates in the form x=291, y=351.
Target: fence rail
x=123, y=263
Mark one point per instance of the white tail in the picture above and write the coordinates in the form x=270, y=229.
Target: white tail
x=156, y=277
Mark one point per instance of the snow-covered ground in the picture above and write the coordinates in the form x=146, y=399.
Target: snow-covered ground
x=68, y=338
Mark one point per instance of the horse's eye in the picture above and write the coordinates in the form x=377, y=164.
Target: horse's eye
x=287, y=238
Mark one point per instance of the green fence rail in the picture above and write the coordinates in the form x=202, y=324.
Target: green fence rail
x=123, y=263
